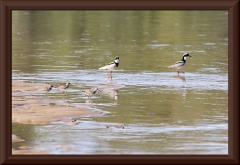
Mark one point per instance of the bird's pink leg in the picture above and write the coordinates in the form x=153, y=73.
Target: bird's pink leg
x=178, y=72
x=111, y=75
x=107, y=74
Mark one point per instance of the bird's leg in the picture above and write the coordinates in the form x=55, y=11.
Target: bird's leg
x=107, y=74
x=111, y=75
x=178, y=72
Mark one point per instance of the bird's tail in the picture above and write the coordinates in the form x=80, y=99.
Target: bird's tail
x=171, y=66
x=102, y=68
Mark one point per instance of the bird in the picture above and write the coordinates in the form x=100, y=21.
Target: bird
x=63, y=85
x=112, y=93
x=110, y=67
x=179, y=64
x=49, y=88
x=90, y=92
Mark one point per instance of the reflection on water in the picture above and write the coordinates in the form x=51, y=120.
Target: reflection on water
x=110, y=93
x=161, y=112
x=180, y=77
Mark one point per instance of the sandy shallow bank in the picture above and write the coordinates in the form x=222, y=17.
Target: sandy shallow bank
x=31, y=106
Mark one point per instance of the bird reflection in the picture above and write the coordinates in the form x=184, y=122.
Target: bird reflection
x=180, y=77
x=184, y=92
x=89, y=101
x=112, y=93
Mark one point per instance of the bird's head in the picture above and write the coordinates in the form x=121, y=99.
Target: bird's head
x=116, y=59
x=186, y=55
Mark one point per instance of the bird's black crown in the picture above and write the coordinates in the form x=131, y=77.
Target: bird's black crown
x=186, y=55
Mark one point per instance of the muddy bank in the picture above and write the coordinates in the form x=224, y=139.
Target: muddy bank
x=16, y=139
x=30, y=105
x=24, y=150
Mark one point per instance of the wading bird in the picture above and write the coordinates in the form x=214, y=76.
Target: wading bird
x=110, y=67
x=90, y=92
x=179, y=64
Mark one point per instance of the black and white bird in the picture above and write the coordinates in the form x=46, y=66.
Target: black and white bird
x=90, y=92
x=110, y=67
x=179, y=64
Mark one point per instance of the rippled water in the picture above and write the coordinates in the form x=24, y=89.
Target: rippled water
x=149, y=109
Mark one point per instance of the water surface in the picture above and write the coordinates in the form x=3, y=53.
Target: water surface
x=150, y=109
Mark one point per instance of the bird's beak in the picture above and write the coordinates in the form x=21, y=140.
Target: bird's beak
x=190, y=56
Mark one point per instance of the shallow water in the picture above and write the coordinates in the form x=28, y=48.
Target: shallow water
x=149, y=109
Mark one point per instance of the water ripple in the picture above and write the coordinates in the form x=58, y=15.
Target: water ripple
x=166, y=80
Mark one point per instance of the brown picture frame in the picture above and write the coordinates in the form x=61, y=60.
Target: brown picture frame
x=6, y=6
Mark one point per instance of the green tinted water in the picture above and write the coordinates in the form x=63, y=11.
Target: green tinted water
x=160, y=111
